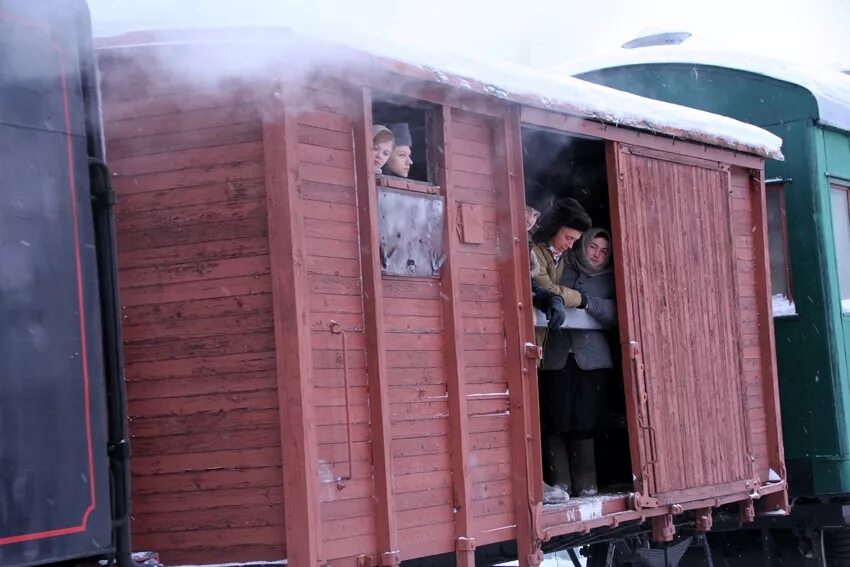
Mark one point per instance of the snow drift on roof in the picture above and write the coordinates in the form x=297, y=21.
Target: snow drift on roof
x=549, y=90
x=830, y=87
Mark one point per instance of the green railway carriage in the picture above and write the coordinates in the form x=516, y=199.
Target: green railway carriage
x=809, y=237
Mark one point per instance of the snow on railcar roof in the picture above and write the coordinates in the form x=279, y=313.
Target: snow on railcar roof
x=830, y=87
x=533, y=87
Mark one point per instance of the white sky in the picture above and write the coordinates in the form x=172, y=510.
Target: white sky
x=536, y=32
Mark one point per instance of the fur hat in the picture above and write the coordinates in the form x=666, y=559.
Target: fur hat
x=401, y=133
x=564, y=212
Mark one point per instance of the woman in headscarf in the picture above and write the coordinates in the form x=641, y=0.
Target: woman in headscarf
x=577, y=365
x=382, y=146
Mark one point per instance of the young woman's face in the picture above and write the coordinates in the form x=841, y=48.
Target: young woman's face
x=381, y=152
x=597, y=251
x=400, y=162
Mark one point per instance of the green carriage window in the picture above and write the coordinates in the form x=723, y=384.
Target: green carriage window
x=777, y=237
x=841, y=234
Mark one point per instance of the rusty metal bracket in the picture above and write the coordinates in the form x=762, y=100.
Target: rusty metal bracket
x=638, y=501
x=535, y=558
x=747, y=511
x=663, y=528
x=365, y=561
x=336, y=329
x=536, y=522
x=704, y=519
x=390, y=558
x=647, y=469
x=465, y=544
x=533, y=352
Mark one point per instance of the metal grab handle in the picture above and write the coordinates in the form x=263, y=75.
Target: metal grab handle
x=336, y=329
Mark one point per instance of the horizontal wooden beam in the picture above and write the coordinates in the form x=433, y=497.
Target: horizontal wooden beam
x=584, y=127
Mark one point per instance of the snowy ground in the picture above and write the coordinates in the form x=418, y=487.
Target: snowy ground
x=560, y=559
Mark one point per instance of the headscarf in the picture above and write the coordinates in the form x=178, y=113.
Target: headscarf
x=578, y=252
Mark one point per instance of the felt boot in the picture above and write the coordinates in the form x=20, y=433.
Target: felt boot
x=583, y=461
x=554, y=495
x=556, y=462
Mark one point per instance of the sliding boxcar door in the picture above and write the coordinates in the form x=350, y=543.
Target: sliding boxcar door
x=680, y=327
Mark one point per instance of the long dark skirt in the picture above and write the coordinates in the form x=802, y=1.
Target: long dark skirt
x=572, y=400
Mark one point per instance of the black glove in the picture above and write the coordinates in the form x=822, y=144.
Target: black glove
x=583, y=304
x=556, y=312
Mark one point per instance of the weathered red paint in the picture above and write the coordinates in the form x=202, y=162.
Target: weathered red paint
x=292, y=336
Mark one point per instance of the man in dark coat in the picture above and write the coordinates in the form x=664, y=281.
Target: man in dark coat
x=558, y=229
x=577, y=365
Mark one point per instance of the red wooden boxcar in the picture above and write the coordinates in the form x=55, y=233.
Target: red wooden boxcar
x=288, y=399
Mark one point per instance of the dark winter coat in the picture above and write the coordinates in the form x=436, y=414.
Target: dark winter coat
x=590, y=347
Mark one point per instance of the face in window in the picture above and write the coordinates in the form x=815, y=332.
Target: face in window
x=597, y=251
x=564, y=239
x=381, y=152
x=531, y=216
x=400, y=162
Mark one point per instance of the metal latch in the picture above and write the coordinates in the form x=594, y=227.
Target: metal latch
x=533, y=352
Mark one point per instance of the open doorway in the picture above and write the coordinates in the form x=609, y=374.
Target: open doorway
x=585, y=440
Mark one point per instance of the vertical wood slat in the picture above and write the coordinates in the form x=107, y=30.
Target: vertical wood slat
x=292, y=339
x=629, y=333
x=737, y=346
x=453, y=333
x=770, y=383
x=379, y=407
x=521, y=372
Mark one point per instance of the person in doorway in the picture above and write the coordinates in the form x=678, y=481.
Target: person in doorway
x=559, y=229
x=400, y=160
x=382, y=146
x=531, y=217
x=552, y=305
x=577, y=364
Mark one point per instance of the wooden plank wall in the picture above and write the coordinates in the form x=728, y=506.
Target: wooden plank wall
x=331, y=238
x=689, y=319
x=474, y=150
x=756, y=371
x=199, y=336
x=199, y=341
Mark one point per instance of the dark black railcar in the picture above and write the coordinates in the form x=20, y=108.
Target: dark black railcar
x=62, y=449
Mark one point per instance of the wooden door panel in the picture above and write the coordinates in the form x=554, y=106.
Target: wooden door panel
x=682, y=337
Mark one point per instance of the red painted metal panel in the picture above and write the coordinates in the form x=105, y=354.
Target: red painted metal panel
x=678, y=284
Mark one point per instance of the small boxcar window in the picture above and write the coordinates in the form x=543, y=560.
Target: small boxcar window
x=403, y=130
x=411, y=211
x=780, y=265
x=841, y=234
